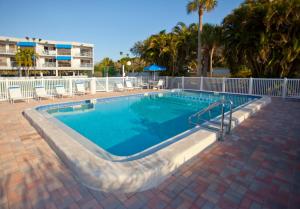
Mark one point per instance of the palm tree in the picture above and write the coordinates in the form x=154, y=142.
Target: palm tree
x=157, y=48
x=200, y=6
x=211, y=37
x=264, y=37
x=187, y=35
x=26, y=58
x=105, y=65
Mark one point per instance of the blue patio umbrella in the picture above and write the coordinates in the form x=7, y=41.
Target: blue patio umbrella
x=154, y=68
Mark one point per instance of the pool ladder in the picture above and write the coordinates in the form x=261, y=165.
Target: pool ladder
x=213, y=124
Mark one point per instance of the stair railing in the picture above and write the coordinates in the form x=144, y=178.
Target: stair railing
x=221, y=103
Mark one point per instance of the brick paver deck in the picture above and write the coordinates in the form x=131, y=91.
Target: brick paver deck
x=257, y=166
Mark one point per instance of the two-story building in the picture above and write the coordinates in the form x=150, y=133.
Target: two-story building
x=54, y=57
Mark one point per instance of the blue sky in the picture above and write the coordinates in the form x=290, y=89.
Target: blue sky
x=112, y=25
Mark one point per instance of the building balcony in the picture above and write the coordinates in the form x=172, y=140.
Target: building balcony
x=49, y=64
x=9, y=51
x=4, y=65
x=86, y=65
x=50, y=53
x=84, y=54
x=64, y=65
x=64, y=53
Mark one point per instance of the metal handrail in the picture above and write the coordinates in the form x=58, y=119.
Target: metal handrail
x=212, y=106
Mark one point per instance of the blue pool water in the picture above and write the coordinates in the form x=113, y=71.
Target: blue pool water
x=125, y=126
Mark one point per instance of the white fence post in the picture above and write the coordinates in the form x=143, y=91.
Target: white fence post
x=6, y=86
x=201, y=83
x=182, y=82
x=106, y=83
x=93, y=85
x=43, y=82
x=223, y=84
x=284, y=88
x=250, y=85
x=167, y=84
x=70, y=86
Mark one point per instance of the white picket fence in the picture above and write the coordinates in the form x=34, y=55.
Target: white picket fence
x=28, y=85
x=255, y=86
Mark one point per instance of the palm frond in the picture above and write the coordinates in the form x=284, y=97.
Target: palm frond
x=192, y=6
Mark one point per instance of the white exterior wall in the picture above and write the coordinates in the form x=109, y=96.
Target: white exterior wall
x=75, y=51
x=40, y=62
x=39, y=49
x=76, y=63
x=8, y=61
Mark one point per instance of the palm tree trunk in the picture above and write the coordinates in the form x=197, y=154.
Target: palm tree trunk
x=205, y=65
x=211, y=54
x=199, y=55
x=173, y=69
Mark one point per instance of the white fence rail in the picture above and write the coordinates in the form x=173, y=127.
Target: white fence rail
x=28, y=85
x=256, y=86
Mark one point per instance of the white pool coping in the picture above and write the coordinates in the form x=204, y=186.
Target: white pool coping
x=138, y=174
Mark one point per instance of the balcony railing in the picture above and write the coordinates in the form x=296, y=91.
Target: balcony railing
x=49, y=52
x=9, y=51
x=86, y=65
x=84, y=54
x=64, y=53
x=12, y=64
x=49, y=64
x=64, y=65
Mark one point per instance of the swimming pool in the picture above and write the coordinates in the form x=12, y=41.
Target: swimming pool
x=125, y=126
x=133, y=142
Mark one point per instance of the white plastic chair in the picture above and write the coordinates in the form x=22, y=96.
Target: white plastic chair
x=14, y=93
x=40, y=92
x=119, y=87
x=159, y=85
x=129, y=85
x=60, y=91
x=80, y=89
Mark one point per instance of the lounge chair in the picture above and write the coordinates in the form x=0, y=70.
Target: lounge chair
x=144, y=85
x=14, y=93
x=159, y=85
x=40, y=93
x=60, y=91
x=129, y=85
x=119, y=87
x=80, y=89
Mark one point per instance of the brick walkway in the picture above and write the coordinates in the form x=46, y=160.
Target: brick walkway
x=258, y=166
